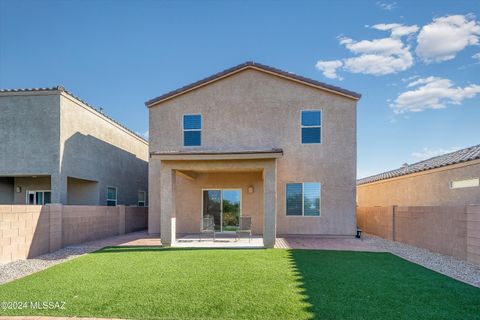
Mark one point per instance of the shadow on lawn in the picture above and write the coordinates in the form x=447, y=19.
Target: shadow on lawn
x=323, y=281
x=300, y=268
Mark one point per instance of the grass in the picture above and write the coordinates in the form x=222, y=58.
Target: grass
x=155, y=283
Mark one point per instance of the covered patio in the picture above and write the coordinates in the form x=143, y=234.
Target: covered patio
x=222, y=240
x=190, y=181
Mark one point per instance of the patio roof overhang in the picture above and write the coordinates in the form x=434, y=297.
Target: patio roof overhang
x=217, y=155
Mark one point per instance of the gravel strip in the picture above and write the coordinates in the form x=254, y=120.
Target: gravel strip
x=21, y=268
x=447, y=265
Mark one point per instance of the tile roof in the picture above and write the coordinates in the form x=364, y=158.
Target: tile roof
x=251, y=64
x=62, y=89
x=467, y=154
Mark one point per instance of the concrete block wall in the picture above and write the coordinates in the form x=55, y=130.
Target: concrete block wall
x=450, y=230
x=473, y=234
x=28, y=231
x=376, y=220
x=87, y=223
x=136, y=219
x=24, y=231
x=437, y=228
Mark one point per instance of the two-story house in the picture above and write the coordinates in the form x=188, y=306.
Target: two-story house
x=56, y=148
x=253, y=141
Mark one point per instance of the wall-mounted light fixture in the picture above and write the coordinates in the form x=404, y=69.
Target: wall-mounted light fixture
x=19, y=189
x=250, y=189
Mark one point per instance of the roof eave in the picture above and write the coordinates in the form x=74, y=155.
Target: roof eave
x=256, y=66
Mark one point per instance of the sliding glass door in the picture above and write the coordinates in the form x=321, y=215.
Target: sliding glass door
x=212, y=206
x=38, y=197
x=224, y=206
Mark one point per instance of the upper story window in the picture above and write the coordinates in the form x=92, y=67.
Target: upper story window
x=311, y=126
x=111, y=196
x=303, y=199
x=192, y=130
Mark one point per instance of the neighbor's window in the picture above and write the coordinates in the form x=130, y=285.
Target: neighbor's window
x=303, y=199
x=192, y=130
x=111, y=196
x=311, y=126
x=467, y=183
x=142, y=198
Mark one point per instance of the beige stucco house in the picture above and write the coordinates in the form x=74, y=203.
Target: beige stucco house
x=452, y=179
x=55, y=148
x=253, y=141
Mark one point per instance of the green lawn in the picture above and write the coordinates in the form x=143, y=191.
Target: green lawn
x=155, y=283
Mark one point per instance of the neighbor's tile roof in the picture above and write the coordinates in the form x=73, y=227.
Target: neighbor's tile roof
x=463, y=155
x=251, y=64
x=62, y=89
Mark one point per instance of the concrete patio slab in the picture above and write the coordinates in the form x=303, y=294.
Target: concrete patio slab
x=222, y=240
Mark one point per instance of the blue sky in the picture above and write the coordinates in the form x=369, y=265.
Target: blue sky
x=417, y=63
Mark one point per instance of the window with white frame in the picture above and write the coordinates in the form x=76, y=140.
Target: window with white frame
x=311, y=123
x=192, y=130
x=303, y=199
x=465, y=183
x=142, y=198
x=111, y=196
x=38, y=197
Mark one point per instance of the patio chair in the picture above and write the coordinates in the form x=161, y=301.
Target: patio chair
x=208, y=226
x=245, y=228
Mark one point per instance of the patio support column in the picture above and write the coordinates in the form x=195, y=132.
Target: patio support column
x=269, y=204
x=154, y=196
x=167, y=209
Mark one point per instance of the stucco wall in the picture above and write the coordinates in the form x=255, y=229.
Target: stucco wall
x=189, y=198
x=94, y=148
x=29, y=135
x=254, y=110
x=29, y=125
x=82, y=192
x=430, y=188
x=6, y=190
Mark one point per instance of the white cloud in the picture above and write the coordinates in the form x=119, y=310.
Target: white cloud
x=385, y=46
x=376, y=57
x=476, y=56
x=432, y=93
x=329, y=68
x=387, y=6
x=442, y=39
x=427, y=153
x=397, y=30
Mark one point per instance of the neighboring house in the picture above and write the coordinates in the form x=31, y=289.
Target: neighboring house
x=253, y=141
x=56, y=148
x=448, y=180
